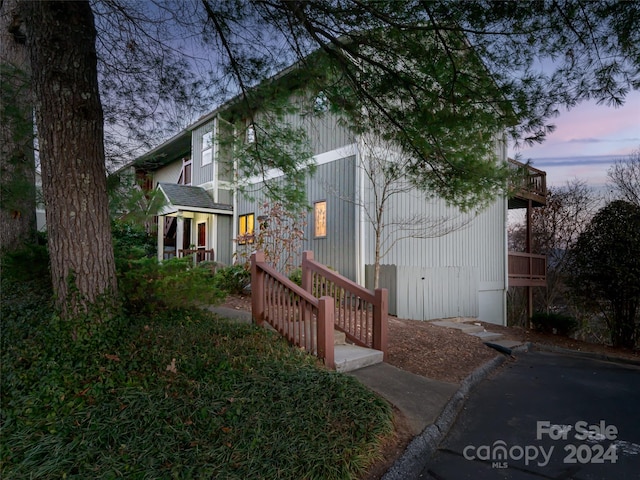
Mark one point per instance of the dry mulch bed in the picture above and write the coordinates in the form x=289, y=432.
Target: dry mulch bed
x=448, y=355
x=422, y=348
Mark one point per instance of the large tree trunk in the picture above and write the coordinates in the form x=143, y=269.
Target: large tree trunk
x=61, y=39
x=17, y=164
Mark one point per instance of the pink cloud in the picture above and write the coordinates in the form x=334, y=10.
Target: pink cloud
x=591, y=129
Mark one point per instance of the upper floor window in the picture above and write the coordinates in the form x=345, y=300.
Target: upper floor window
x=207, y=148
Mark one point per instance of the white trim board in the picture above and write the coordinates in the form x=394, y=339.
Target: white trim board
x=320, y=159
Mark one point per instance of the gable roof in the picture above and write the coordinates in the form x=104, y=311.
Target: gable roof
x=190, y=199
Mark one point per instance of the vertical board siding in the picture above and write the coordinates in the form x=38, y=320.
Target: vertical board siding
x=225, y=196
x=224, y=234
x=335, y=183
x=388, y=279
x=459, y=273
x=429, y=293
x=201, y=174
x=325, y=131
x=476, y=240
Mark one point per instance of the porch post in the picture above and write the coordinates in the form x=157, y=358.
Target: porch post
x=179, y=234
x=257, y=288
x=306, y=271
x=160, y=234
x=326, y=311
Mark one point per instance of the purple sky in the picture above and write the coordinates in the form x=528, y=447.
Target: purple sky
x=586, y=141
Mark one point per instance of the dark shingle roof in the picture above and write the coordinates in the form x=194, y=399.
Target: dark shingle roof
x=188, y=196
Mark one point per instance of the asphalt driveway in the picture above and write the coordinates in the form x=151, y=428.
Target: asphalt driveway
x=546, y=416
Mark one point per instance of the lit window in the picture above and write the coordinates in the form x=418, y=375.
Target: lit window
x=207, y=148
x=320, y=219
x=246, y=228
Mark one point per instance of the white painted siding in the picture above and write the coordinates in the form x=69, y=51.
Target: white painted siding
x=461, y=273
x=325, y=132
x=168, y=174
x=202, y=174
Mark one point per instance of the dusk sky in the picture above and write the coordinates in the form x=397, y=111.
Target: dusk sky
x=587, y=140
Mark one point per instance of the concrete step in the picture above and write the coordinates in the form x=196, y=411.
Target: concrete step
x=339, y=338
x=352, y=357
x=487, y=336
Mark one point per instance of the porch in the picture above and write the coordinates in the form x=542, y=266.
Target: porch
x=528, y=190
x=192, y=224
x=528, y=185
x=198, y=254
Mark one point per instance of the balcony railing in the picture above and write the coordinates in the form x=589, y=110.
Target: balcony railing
x=527, y=270
x=529, y=184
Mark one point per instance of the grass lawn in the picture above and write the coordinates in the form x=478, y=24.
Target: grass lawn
x=182, y=395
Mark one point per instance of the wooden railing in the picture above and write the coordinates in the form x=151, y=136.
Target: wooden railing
x=527, y=270
x=531, y=182
x=359, y=313
x=200, y=254
x=304, y=320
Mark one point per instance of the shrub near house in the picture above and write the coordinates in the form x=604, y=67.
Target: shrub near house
x=605, y=270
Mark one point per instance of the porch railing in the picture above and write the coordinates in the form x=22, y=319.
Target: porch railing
x=360, y=313
x=200, y=255
x=527, y=270
x=304, y=320
x=532, y=182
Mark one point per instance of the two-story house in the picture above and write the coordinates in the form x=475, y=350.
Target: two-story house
x=463, y=273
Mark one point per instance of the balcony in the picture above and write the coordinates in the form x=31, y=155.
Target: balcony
x=527, y=270
x=529, y=184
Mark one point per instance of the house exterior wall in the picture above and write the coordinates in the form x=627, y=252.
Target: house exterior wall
x=333, y=182
x=224, y=239
x=168, y=174
x=325, y=132
x=459, y=274
x=202, y=173
x=427, y=293
x=462, y=273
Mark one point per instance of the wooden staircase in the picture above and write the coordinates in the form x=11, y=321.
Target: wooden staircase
x=309, y=316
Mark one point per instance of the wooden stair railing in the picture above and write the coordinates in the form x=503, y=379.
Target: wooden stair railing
x=360, y=313
x=304, y=320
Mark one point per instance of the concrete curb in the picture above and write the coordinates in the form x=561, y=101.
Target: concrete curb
x=419, y=452
x=592, y=355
